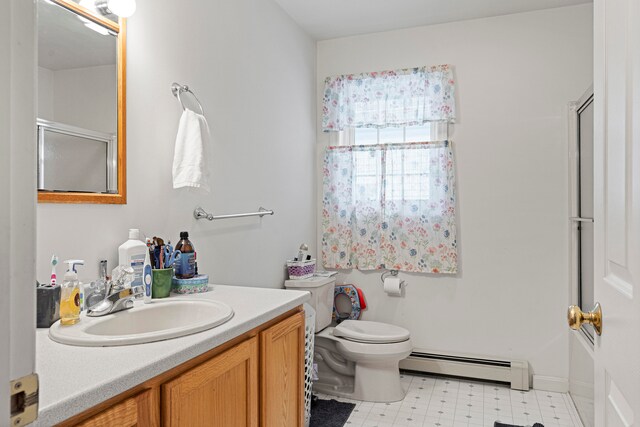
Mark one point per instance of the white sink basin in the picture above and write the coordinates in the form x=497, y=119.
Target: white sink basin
x=160, y=320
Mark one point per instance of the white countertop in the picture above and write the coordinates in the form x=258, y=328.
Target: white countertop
x=74, y=379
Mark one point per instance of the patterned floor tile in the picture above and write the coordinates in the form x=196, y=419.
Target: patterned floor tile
x=444, y=402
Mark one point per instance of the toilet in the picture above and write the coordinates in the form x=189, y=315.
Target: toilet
x=356, y=359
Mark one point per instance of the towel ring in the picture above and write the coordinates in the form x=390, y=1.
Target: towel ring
x=177, y=89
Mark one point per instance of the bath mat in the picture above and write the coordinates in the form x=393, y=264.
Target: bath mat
x=499, y=424
x=329, y=413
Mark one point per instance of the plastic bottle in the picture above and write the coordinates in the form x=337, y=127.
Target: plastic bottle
x=185, y=265
x=70, y=294
x=132, y=253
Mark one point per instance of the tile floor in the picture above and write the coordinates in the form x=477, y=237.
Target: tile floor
x=447, y=402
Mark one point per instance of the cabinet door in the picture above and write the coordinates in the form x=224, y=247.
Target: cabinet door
x=282, y=373
x=139, y=410
x=222, y=391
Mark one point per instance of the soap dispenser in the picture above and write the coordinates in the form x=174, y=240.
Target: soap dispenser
x=70, y=294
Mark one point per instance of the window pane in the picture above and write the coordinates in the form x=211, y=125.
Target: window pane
x=366, y=136
x=367, y=188
x=416, y=187
x=416, y=161
x=407, y=172
x=367, y=176
x=421, y=133
x=391, y=135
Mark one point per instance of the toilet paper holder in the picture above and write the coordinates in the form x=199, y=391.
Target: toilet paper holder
x=384, y=275
x=392, y=273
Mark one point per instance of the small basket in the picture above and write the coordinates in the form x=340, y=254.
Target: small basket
x=195, y=285
x=301, y=269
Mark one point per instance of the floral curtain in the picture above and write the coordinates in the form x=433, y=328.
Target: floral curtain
x=404, y=97
x=390, y=207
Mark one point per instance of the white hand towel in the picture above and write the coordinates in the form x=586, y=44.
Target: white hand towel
x=190, y=160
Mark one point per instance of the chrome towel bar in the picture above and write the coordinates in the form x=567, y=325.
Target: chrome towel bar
x=200, y=213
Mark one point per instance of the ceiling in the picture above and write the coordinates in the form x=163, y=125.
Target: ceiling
x=327, y=19
x=64, y=41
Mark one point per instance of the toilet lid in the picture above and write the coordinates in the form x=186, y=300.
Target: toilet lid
x=370, y=332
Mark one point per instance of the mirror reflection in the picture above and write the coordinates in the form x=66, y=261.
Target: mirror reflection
x=77, y=103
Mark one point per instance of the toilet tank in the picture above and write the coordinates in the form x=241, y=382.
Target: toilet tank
x=321, y=289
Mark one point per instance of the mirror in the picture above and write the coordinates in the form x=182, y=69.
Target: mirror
x=81, y=105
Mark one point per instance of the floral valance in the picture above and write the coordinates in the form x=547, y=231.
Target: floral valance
x=406, y=97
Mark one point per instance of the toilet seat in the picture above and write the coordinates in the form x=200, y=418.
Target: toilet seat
x=351, y=298
x=370, y=332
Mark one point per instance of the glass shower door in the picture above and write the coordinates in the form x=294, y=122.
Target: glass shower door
x=585, y=210
x=581, y=364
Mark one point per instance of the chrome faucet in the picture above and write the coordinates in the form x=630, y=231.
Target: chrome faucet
x=117, y=297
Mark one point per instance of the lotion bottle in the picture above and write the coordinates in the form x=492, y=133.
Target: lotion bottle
x=70, y=294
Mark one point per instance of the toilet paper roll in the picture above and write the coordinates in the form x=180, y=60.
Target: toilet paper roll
x=393, y=286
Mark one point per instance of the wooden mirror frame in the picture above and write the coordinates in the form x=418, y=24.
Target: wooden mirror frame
x=119, y=198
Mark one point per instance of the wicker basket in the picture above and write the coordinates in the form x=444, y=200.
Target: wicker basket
x=301, y=269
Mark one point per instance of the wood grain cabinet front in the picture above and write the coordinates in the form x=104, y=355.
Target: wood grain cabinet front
x=221, y=392
x=282, y=373
x=136, y=411
x=254, y=380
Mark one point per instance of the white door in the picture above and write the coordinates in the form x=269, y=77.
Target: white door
x=17, y=208
x=617, y=210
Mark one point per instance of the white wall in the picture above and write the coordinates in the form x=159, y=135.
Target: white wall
x=254, y=71
x=515, y=75
x=87, y=97
x=45, y=94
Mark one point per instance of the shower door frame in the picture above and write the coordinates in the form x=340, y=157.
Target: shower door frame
x=581, y=352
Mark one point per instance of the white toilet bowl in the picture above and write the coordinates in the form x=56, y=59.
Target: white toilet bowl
x=359, y=360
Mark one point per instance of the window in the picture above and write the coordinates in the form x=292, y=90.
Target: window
x=388, y=176
x=390, y=135
x=390, y=206
x=409, y=176
x=427, y=132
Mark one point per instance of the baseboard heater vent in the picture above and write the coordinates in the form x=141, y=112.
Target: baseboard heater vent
x=514, y=372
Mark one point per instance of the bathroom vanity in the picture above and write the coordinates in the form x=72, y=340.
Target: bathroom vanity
x=246, y=372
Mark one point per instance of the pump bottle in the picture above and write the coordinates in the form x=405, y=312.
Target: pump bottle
x=70, y=294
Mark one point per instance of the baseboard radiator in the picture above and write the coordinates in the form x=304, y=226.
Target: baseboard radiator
x=514, y=372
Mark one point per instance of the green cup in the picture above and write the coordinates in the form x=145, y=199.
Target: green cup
x=161, y=286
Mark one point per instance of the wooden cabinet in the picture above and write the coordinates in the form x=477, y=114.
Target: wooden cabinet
x=256, y=379
x=282, y=373
x=135, y=411
x=218, y=393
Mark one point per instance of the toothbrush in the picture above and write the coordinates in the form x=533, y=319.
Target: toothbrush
x=54, y=261
x=147, y=278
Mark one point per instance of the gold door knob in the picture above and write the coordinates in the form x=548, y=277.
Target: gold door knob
x=577, y=317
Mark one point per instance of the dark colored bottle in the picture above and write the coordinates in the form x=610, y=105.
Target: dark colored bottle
x=186, y=263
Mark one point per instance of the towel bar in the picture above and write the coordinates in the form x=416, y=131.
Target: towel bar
x=177, y=89
x=200, y=213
